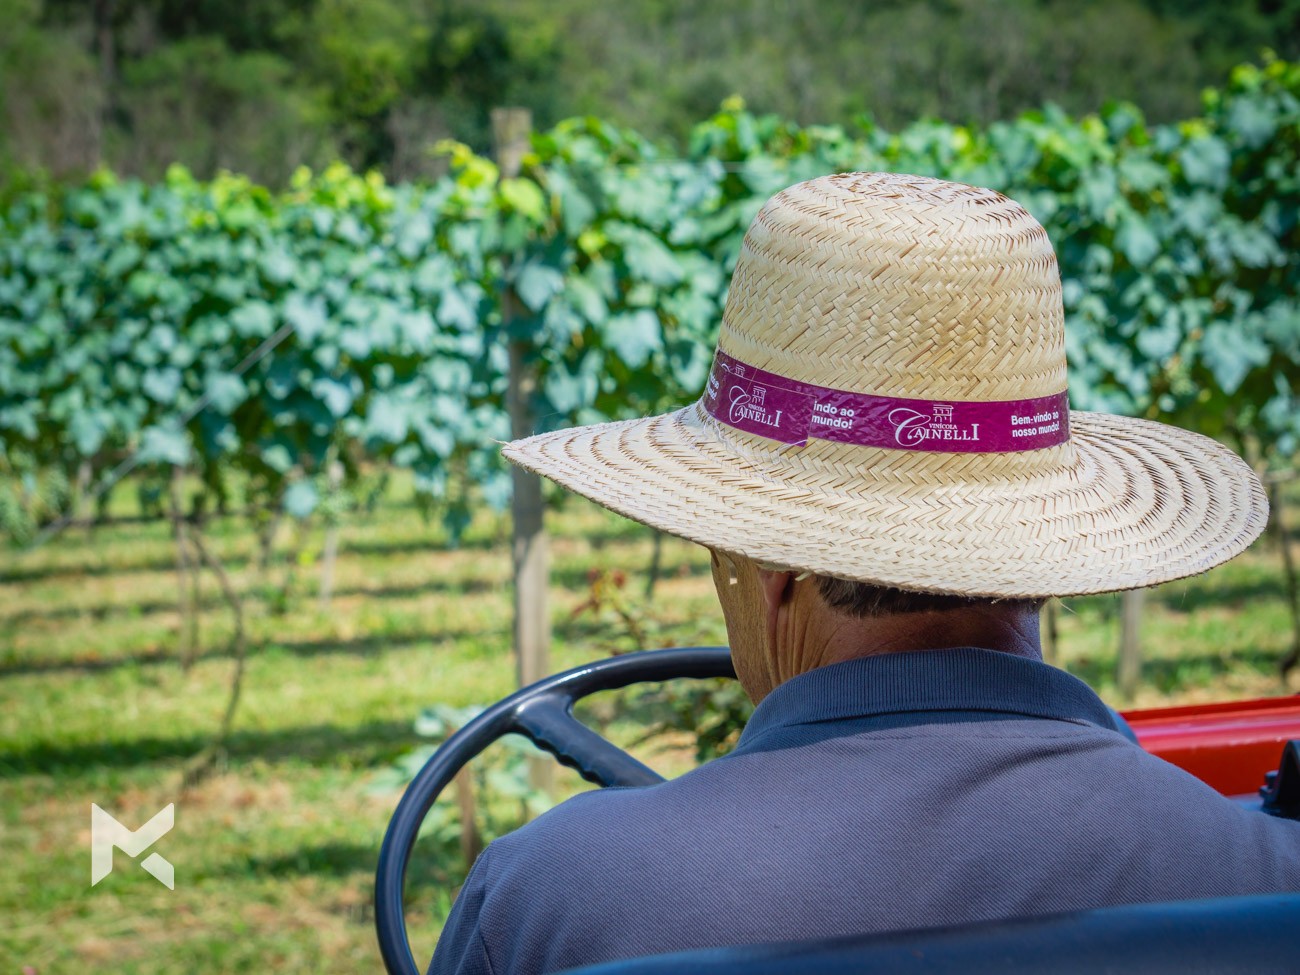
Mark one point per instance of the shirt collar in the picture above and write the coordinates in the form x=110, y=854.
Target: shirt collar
x=965, y=679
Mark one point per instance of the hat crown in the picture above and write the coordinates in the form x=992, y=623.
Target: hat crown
x=888, y=405
x=900, y=286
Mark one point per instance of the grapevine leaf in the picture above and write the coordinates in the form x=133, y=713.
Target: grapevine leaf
x=306, y=315
x=224, y=392
x=1231, y=353
x=164, y=445
x=635, y=336
x=524, y=196
x=301, y=499
x=536, y=283
x=1136, y=242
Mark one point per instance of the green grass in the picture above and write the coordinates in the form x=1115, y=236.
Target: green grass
x=274, y=853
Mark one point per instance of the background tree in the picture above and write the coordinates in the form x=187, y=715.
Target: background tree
x=265, y=87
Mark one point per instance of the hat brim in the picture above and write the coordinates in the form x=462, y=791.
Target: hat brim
x=1142, y=503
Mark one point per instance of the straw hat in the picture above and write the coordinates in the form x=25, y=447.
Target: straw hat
x=887, y=405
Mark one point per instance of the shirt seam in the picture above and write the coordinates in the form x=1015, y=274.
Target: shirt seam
x=917, y=735
x=1011, y=715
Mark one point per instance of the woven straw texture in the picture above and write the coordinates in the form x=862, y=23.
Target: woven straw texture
x=910, y=287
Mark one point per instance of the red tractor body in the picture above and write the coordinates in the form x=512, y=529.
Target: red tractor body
x=1230, y=747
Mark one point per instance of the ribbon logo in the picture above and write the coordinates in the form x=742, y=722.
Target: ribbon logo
x=750, y=405
x=911, y=427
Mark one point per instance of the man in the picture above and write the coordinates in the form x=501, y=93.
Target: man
x=886, y=470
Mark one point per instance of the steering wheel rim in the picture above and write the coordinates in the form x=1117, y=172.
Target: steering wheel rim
x=542, y=713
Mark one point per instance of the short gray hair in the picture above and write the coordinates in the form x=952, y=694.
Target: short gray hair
x=865, y=600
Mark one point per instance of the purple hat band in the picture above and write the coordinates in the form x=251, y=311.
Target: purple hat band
x=767, y=405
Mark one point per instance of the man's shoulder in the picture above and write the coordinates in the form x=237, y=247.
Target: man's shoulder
x=602, y=875
x=620, y=820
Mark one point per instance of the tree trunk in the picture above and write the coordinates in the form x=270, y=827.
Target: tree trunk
x=330, y=555
x=186, y=574
x=1130, y=658
x=656, y=563
x=266, y=532
x=82, y=502
x=106, y=50
x=1277, y=520
x=206, y=760
x=283, y=594
x=471, y=841
x=529, y=546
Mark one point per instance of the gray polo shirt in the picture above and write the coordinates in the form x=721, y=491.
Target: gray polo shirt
x=897, y=791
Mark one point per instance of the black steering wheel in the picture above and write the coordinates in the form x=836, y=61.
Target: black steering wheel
x=542, y=713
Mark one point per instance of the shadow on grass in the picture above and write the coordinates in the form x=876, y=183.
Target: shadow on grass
x=572, y=579
x=1236, y=595
x=322, y=860
x=1184, y=597
x=213, y=602
x=236, y=561
x=324, y=745
x=431, y=868
x=1170, y=674
x=357, y=646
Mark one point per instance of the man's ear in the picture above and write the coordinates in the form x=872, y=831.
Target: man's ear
x=777, y=587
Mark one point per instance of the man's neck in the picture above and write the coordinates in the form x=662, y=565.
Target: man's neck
x=1010, y=629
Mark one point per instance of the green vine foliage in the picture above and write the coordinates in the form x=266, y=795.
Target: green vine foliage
x=126, y=310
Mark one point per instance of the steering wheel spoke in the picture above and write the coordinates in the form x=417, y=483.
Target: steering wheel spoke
x=553, y=728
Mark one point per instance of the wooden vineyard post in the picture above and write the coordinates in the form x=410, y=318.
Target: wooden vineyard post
x=1130, y=658
x=1277, y=522
x=187, y=573
x=529, y=547
x=329, y=558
